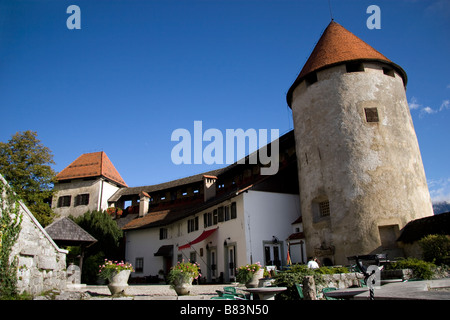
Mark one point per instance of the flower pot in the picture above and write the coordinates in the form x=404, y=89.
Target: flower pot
x=119, y=282
x=254, y=281
x=183, y=286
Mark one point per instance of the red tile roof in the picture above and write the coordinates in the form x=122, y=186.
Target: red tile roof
x=297, y=235
x=147, y=219
x=96, y=164
x=338, y=45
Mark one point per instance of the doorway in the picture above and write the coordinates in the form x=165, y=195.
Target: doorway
x=272, y=254
x=211, y=260
x=230, y=263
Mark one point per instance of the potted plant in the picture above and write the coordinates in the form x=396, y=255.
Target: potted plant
x=268, y=278
x=181, y=276
x=117, y=273
x=250, y=274
x=114, y=212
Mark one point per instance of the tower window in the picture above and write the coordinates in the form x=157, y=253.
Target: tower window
x=388, y=72
x=324, y=208
x=354, y=67
x=320, y=207
x=371, y=114
x=311, y=78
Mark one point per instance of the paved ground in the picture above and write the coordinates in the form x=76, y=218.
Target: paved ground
x=145, y=292
x=408, y=290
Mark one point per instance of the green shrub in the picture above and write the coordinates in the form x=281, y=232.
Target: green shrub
x=288, y=279
x=421, y=269
x=332, y=270
x=436, y=248
x=296, y=274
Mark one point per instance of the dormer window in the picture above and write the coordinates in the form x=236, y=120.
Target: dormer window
x=354, y=67
x=311, y=78
x=388, y=72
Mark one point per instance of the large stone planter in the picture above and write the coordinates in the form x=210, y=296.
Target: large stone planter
x=183, y=286
x=254, y=281
x=119, y=282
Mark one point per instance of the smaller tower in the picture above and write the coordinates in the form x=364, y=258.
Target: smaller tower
x=361, y=175
x=86, y=185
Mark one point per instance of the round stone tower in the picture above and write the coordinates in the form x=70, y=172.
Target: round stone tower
x=360, y=170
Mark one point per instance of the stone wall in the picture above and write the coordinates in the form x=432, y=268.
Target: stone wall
x=340, y=280
x=41, y=263
x=356, y=279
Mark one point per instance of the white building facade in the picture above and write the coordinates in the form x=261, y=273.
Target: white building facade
x=249, y=232
x=221, y=219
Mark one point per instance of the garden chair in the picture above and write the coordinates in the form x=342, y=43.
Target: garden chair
x=299, y=290
x=325, y=290
x=225, y=296
x=232, y=290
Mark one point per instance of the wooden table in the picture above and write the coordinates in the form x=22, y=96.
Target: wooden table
x=266, y=293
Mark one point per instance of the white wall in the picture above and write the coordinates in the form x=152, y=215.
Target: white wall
x=268, y=214
x=145, y=242
x=108, y=190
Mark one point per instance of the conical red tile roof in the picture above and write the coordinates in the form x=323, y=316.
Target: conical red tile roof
x=338, y=45
x=94, y=164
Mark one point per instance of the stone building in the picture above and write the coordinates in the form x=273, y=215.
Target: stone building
x=350, y=178
x=360, y=170
x=86, y=185
x=41, y=263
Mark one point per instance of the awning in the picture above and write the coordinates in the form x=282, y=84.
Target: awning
x=165, y=251
x=202, y=237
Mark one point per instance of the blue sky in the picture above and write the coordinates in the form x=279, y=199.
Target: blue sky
x=138, y=70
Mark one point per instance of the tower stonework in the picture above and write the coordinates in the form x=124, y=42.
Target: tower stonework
x=361, y=175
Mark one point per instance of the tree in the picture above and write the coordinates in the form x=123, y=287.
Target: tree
x=102, y=227
x=25, y=164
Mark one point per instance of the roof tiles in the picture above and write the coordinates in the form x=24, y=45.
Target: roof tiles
x=91, y=165
x=338, y=45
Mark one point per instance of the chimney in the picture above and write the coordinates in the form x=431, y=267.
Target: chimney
x=209, y=187
x=144, y=200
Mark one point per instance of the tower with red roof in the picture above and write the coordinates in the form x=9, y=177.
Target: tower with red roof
x=361, y=175
x=86, y=184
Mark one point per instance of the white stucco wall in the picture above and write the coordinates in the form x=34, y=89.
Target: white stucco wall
x=145, y=243
x=268, y=214
x=260, y=215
